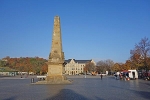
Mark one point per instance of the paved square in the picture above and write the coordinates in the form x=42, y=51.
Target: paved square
x=89, y=88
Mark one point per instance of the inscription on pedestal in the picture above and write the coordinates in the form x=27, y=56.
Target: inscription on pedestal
x=55, y=70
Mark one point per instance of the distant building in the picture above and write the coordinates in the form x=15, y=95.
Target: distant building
x=75, y=67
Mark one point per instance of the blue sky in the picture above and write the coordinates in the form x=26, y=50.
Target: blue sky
x=91, y=29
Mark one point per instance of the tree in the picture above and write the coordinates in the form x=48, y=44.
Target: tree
x=127, y=65
x=123, y=66
x=116, y=67
x=140, y=54
x=90, y=67
x=136, y=60
x=44, y=68
x=148, y=60
x=26, y=64
x=104, y=65
x=3, y=63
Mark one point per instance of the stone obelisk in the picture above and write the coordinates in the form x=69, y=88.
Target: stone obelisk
x=56, y=57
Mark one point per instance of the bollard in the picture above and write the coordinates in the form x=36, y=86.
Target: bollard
x=85, y=76
x=32, y=80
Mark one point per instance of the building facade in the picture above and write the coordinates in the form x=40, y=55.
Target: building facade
x=75, y=67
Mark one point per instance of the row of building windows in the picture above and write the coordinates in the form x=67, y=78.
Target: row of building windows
x=74, y=65
x=73, y=72
x=74, y=68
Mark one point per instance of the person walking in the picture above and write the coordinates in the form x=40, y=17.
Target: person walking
x=101, y=76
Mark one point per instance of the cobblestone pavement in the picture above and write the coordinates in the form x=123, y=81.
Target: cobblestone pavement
x=89, y=88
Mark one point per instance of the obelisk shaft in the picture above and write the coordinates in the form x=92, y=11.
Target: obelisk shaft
x=56, y=54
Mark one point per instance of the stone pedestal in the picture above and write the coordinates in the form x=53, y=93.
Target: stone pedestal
x=54, y=69
x=55, y=74
x=57, y=79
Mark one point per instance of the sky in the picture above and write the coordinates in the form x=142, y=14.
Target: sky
x=91, y=29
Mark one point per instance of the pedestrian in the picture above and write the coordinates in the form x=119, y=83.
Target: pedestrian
x=115, y=76
x=101, y=76
x=133, y=75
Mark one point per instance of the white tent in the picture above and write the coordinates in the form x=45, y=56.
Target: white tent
x=133, y=74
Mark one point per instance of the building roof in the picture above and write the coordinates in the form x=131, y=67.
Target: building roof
x=78, y=61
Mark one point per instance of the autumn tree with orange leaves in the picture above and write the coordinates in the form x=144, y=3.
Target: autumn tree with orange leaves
x=140, y=54
x=116, y=67
x=28, y=64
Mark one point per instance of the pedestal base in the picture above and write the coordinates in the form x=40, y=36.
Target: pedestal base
x=58, y=79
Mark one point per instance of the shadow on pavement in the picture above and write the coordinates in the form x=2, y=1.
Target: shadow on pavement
x=143, y=94
x=148, y=84
x=67, y=94
x=11, y=98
